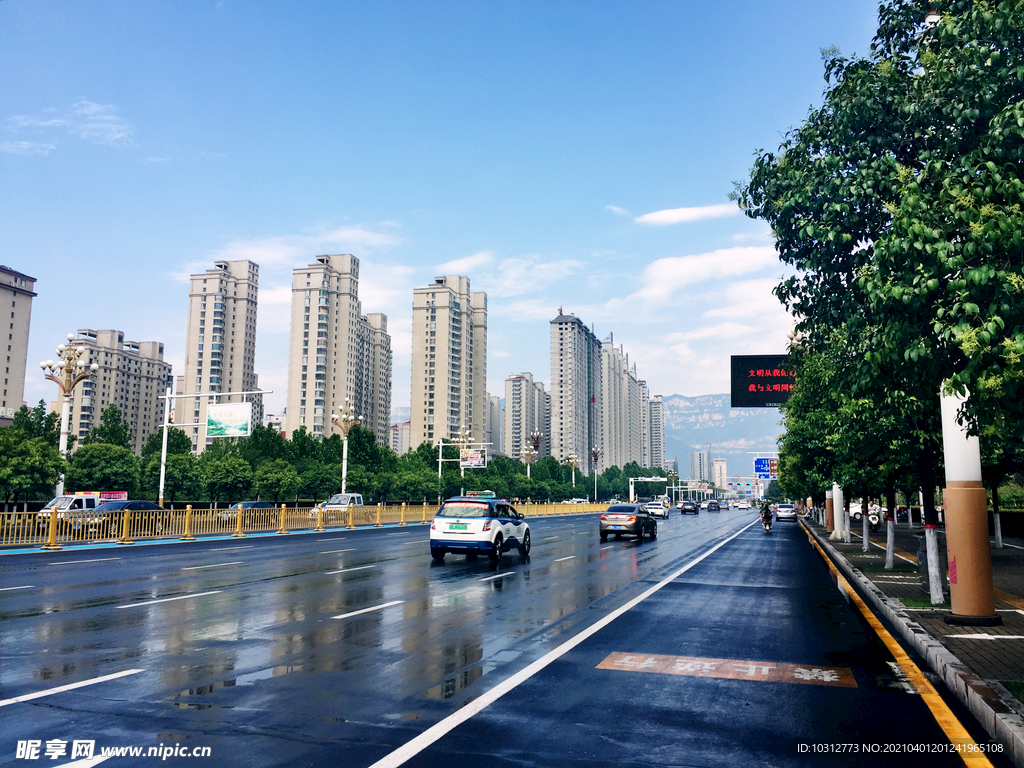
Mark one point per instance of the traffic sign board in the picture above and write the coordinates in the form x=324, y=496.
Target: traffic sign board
x=766, y=469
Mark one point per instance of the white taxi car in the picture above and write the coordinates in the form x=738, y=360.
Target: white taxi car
x=472, y=525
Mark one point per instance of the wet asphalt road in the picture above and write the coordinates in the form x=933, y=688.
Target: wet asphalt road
x=339, y=648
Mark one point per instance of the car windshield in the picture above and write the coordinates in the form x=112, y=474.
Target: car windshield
x=621, y=509
x=466, y=509
x=109, y=506
x=340, y=498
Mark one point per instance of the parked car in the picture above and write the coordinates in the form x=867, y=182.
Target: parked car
x=339, y=504
x=785, y=512
x=686, y=507
x=627, y=519
x=657, y=509
x=473, y=525
x=66, y=505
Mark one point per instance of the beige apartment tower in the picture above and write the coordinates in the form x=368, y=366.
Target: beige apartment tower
x=17, y=289
x=576, y=394
x=527, y=410
x=449, y=361
x=132, y=375
x=336, y=352
x=220, y=346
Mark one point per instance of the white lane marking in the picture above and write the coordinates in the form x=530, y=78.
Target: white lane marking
x=367, y=610
x=570, y=557
x=215, y=565
x=498, y=576
x=87, y=762
x=8, y=589
x=987, y=637
x=412, y=748
x=340, y=538
x=336, y=551
x=72, y=686
x=98, y=560
x=608, y=547
x=225, y=549
x=876, y=544
x=169, y=599
x=1014, y=546
x=549, y=538
x=346, y=570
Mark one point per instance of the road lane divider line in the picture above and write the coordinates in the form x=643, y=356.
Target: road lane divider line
x=336, y=551
x=169, y=599
x=380, y=607
x=435, y=732
x=498, y=576
x=944, y=717
x=570, y=557
x=901, y=554
x=346, y=570
x=225, y=549
x=608, y=547
x=215, y=565
x=321, y=541
x=69, y=687
x=97, y=560
x=9, y=589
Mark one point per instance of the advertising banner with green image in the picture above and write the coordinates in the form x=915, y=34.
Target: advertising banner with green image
x=229, y=420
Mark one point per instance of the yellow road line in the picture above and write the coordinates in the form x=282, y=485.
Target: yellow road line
x=943, y=715
x=1010, y=599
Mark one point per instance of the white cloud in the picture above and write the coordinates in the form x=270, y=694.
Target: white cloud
x=514, y=277
x=26, y=148
x=681, y=215
x=662, y=279
x=464, y=265
x=99, y=123
x=617, y=210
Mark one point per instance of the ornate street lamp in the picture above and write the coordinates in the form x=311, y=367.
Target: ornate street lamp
x=66, y=373
x=573, y=461
x=528, y=454
x=595, y=456
x=345, y=422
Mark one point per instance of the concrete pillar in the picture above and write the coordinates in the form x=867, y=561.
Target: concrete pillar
x=966, y=517
x=830, y=523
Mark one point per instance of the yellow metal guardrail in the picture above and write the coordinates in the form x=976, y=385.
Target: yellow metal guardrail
x=126, y=527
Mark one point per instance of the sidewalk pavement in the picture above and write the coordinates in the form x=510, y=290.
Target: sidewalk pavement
x=981, y=665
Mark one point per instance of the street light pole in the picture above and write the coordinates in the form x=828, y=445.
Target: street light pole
x=595, y=455
x=66, y=373
x=345, y=422
x=573, y=461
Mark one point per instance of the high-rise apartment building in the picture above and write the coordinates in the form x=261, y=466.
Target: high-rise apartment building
x=527, y=411
x=220, y=346
x=400, y=432
x=719, y=473
x=615, y=401
x=449, y=360
x=17, y=289
x=656, y=427
x=645, y=423
x=576, y=394
x=132, y=375
x=495, y=428
x=335, y=352
x=699, y=469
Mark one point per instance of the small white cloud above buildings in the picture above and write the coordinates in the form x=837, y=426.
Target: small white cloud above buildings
x=683, y=215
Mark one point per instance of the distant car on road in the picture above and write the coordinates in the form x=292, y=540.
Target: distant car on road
x=627, y=519
x=743, y=505
x=785, y=512
x=686, y=507
x=713, y=505
x=657, y=509
x=723, y=503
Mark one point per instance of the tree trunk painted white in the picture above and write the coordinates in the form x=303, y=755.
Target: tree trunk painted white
x=890, y=542
x=865, y=530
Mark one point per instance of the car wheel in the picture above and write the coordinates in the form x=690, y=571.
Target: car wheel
x=495, y=553
x=654, y=532
x=524, y=550
x=437, y=554
x=604, y=537
x=640, y=534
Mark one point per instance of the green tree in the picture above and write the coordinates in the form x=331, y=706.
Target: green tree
x=226, y=478
x=112, y=430
x=39, y=422
x=178, y=443
x=265, y=444
x=103, y=467
x=182, y=477
x=319, y=482
x=29, y=468
x=275, y=479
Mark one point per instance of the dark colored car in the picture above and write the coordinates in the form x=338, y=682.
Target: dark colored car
x=686, y=507
x=149, y=518
x=628, y=519
x=117, y=506
x=713, y=506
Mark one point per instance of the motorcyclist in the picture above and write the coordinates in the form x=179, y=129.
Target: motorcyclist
x=766, y=515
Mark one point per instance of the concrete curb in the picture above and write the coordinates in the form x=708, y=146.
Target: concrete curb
x=998, y=711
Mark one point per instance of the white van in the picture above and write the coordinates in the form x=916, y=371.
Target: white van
x=340, y=502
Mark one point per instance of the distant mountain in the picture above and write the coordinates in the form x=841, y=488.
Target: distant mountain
x=693, y=422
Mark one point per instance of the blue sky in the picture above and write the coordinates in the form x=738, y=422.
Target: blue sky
x=574, y=154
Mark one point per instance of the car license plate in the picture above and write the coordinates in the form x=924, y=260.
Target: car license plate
x=616, y=526
x=456, y=526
